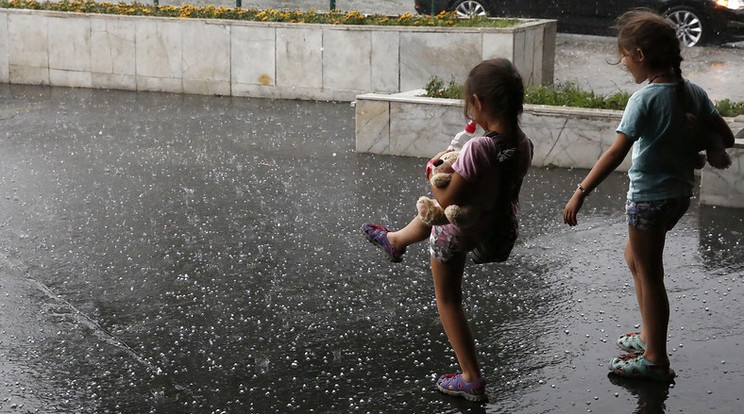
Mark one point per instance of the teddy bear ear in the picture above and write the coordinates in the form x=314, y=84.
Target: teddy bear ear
x=451, y=156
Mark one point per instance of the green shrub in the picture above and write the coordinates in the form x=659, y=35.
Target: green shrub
x=571, y=95
x=568, y=94
x=730, y=109
x=436, y=89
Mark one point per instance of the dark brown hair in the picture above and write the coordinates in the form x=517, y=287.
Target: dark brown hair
x=498, y=85
x=645, y=30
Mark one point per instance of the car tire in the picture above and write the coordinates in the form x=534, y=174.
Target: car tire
x=692, y=28
x=467, y=8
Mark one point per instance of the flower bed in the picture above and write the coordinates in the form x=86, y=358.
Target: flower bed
x=443, y=19
x=253, y=58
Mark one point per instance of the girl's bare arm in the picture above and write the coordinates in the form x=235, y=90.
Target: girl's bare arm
x=457, y=192
x=606, y=164
x=723, y=130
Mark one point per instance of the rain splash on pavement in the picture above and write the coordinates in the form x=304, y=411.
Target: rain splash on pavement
x=175, y=253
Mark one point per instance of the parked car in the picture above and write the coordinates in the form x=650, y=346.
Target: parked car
x=697, y=21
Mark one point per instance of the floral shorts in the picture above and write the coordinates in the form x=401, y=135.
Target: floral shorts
x=660, y=215
x=489, y=246
x=444, y=246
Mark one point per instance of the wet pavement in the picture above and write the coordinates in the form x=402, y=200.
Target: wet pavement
x=172, y=253
x=192, y=254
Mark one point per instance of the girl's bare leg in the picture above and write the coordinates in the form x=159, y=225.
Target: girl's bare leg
x=413, y=232
x=630, y=260
x=448, y=291
x=647, y=250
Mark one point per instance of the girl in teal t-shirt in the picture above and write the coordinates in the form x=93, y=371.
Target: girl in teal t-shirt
x=660, y=124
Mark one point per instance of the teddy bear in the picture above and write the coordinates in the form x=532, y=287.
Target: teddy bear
x=440, y=174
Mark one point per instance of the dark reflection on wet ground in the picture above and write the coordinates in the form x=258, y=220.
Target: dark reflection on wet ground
x=177, y=253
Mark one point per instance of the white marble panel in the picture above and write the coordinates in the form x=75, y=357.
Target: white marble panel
x=725, y=187
x=253, y=55
x=70, y=78
x=299, y=57
x=158, y=48
x=547, y=53
x=372, y=126
x=4, y=64
x=206, y=87
x=159, y=84
x=113, y=46
x=444, y=54
x=570, y=142
x=113, y=81
x=566, y=139
x=498, y=45
x=28, y=75
x=69, y=43
x=423, y=130
x=206, y=52
x=384, y=61
x=527, y=69
x=27, y=41
x=346, y=59
x=519, y=46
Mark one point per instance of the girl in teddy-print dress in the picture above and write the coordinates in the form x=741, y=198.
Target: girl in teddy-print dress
x=487, y=175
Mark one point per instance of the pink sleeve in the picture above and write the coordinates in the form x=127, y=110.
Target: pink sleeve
x=470, y=158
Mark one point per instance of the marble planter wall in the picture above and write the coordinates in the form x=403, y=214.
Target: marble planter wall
x=725, y=187
x=272, y=60
x=405, y=124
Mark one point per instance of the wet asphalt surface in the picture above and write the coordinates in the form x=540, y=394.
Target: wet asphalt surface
x=171, y=253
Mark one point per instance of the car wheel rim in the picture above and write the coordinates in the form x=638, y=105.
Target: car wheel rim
x=470, y=8
x=688, y=25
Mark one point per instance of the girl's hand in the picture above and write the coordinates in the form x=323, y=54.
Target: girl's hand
x=572, y=208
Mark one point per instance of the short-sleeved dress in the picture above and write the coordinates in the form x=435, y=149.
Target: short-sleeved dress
x=495, y=166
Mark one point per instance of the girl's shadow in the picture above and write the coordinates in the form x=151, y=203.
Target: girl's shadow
x=652, y=395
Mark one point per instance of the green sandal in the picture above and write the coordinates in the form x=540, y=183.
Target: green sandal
x=631, y=342
x=637, y=366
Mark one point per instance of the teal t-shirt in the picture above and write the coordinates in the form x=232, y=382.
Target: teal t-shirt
x=664, y=149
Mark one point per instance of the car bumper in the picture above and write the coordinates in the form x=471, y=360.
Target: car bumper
x=726, y=21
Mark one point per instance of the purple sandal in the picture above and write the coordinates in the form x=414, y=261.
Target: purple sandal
x=455, y=384
x=377, y=235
